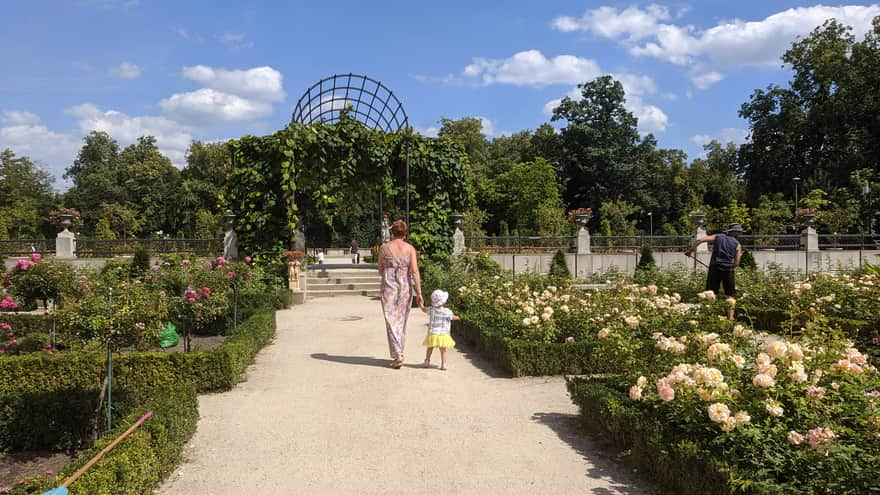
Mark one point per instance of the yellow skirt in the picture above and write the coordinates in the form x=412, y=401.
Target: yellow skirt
x=434, y=340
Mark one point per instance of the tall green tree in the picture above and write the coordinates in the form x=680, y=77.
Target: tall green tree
x=527, y=199
x=26, y=197
x=601, y=147
x=822, y=127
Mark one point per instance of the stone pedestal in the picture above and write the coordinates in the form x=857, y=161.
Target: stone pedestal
x=457, y=243
x=809, y=240
x=704, y=247
x=583, y=241
x=295, y=282
x=65, y=245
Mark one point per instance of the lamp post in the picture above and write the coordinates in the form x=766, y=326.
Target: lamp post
x=866, y=193
x=796, y=181
x=651, y=220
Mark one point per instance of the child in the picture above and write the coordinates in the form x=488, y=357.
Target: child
x=439, y=325
x=321, y=258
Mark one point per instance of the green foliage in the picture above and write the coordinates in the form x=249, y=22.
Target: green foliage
x=646, y=259
x=747, y=261
x=558, y=267
x=42, y=280
x=140, y=262
x=527, y=196
x=283, y=181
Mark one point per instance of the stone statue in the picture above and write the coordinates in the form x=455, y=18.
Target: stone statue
x=293, y=275
x=385, y=232
x=457, y=242
x=230, y=245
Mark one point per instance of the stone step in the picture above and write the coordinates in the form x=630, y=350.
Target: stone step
x=332, y=293
x=313, y=286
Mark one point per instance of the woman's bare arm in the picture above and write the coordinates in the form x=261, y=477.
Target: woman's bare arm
x=416, y=277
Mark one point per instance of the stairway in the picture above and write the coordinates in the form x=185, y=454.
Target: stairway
x=342, y=282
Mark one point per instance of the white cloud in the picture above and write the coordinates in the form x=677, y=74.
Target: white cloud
x=703, y=80
x=262, y=83
x=430, y=131
x=608, y=22
x=733, y=135
x=205, y=106
x=702, y=139
x=236, y=40
x=532, y=68
x=126, y=70
x=14, y=117
x=26, y=136
x=181, y=32
x=728, y=45
x=172, y=138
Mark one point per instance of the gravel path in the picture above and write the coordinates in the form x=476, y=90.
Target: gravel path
x=321, y=412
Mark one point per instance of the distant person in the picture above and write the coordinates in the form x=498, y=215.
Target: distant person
x=355, y=258
x=726, y=255
x=321, y=258
x=399, y=268
x=439, y=327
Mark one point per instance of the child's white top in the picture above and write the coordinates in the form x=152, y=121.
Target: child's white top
x=439, y=320
x=320, y=255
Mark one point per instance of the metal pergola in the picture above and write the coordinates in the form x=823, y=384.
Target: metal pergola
x=363, y=98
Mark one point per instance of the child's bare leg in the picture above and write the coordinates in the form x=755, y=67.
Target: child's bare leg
x=428, y=353
x=443, y=357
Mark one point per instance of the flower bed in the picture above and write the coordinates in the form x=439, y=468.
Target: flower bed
x=49, y=403
x=707, y=404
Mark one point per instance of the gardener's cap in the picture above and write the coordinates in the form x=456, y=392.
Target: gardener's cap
x=734, y=227
x=439, y=297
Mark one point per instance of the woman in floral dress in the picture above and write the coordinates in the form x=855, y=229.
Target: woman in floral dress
x=399, y=268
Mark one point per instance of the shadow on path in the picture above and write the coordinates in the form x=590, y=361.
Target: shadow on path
x=600, y=454
x=361, y=360
x=480, y=362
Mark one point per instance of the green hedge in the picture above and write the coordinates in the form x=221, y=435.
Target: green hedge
x=42, y=394
x=676, y=462
x=523, y=358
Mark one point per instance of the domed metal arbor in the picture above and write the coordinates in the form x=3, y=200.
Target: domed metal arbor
x=363, y=98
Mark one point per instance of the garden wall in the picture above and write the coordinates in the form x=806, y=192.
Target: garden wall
x=588, y=264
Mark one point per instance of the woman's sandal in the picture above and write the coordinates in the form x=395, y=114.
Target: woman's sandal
x=397, y=363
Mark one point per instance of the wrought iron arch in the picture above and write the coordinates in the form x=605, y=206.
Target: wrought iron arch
x=371, y=103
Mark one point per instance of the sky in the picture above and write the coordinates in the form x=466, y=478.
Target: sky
x=216, y=70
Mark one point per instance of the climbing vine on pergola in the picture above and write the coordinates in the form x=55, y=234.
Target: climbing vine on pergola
x=317, y=169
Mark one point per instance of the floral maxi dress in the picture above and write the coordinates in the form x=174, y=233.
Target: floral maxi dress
x=396, y=302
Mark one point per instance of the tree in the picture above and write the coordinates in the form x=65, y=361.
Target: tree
x=614, y=217
x=527, y=198
x=151, y=183
x=26, y=197
x=822, y=127
x=770, y=217
x=601, y=145
x=96, y=176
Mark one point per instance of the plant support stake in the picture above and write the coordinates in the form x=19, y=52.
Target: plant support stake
x=110, y=368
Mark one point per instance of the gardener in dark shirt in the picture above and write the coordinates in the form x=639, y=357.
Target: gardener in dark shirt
x=725, y=258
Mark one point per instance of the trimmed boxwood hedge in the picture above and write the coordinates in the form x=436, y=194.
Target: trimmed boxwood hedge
x=523, y=358
x=48, y=403
x=678, y=463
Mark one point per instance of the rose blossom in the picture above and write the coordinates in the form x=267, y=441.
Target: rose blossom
x=742, y=417
x=816, y=392
x=795, y=438
x=665, y=391
x=36, y=256
x=819, y=437
x=569, y=340
x=718, y=412
x=635, y=392
x=763, y=381
x=774, y=408
x=604, y=333
x=777, y=350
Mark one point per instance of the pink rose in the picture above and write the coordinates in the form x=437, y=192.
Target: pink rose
x=155, y=268
x=185, y=262
x=247, y=259
x=36, y=256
